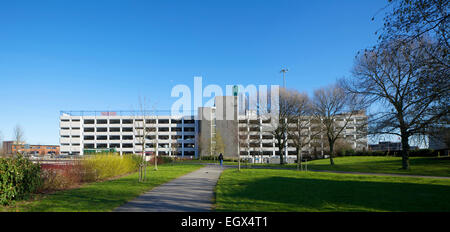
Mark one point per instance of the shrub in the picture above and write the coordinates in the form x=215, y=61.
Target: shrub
x=18, y=178
x=136, y=159
x=211, y=157
x=179, y=158
x=345, y=152
x=107, y=165
x=161, y=160
x=52, y=180
x=421, y=153
x=58, y=177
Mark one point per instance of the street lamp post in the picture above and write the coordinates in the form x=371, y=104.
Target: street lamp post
x=284, y=71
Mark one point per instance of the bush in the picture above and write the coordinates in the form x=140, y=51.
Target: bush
x=422, y=153
x=179, y=158
x=161, y=160
x=345, y=152
x=107, y=165
x=89, y=169
x=18, y=178
x=52, y=180
x=212, y=157
x=58, y=177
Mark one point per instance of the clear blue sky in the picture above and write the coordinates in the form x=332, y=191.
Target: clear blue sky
x=88, y=55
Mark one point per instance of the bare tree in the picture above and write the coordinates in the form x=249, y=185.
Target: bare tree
x=174, y=149
x=280, y=126
x=278, y=120
x=141, y=132
x=244, y=140
x=258, y=140
x=333, y=109
x=299, y=126
x=413, y=19
x=156, y=141
x=19, y=135
x=407, y=99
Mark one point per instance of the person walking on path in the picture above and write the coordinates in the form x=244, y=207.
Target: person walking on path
x=221, y=160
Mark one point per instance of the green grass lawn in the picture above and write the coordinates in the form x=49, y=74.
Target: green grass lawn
x=270, y=190
x=436, y=166
x=103, y=196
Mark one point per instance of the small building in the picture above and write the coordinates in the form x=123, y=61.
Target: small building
x=389, y=146
x=386, y=146
x=10, y=147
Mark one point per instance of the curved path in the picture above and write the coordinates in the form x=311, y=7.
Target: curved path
x=193, y=192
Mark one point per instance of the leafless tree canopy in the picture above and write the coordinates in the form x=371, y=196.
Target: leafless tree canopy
x=333, y=108
x=411, y=93
x=287, y=112
x=141, y=133
x=19, y=134
x=300, y=123
x=392, y=75
x=413, y=19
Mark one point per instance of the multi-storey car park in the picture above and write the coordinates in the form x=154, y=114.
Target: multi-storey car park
x=82, y=132
x=88, y=131
x=254, y=130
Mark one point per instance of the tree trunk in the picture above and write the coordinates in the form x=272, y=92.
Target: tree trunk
x=239, y=162
x=156, y=161
x=143, y=165
x=145, y=170
x=299, y=160
x=331, y=152
x=281, y=151
x=405, y=151
x=140, y=173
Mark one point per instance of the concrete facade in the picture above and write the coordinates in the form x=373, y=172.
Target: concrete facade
x=255, y=130
x=192, y=135
x=167, y=135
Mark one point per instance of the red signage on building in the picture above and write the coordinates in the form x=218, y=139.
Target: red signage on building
x=109, y=113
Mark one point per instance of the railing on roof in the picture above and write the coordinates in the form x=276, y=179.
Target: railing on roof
x=125, y=113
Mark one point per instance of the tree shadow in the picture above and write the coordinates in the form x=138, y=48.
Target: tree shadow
x=333, y=195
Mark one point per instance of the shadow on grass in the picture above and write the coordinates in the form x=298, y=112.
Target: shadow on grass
x=305, y=194
x=419, y=166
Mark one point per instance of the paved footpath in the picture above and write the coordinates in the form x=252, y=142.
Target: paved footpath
x=192, y=192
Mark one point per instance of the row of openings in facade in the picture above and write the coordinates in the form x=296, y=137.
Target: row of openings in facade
x=138, y=145
x=130, y=129
x=131, y=121
x=131, y=137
